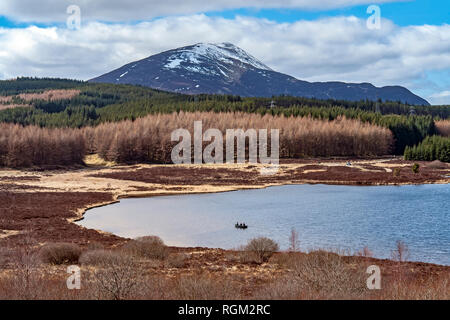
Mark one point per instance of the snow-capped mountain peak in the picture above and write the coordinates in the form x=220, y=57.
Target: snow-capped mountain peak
x=224, y=54
x=223, y=68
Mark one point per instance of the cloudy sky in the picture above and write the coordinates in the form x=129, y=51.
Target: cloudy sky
x=310, y=39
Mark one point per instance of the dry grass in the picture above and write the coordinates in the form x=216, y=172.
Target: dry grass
x=321, y=275
x=95, y=161
x=116, y=275
x=176, y=260
x=415, y=289
x=12, y=106
x=98, y=257
x=436, y=164
x=204, y=287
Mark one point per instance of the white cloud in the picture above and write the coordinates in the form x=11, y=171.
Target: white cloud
x=442, y=97
x=120, y=10
x=339, y=48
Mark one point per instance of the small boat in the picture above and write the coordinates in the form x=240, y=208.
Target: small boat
x=240, y=226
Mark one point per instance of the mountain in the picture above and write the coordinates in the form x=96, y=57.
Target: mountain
x=226, y=69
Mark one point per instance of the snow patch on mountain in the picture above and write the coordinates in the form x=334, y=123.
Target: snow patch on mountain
x=219, y=53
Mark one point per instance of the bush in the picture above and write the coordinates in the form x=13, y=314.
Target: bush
x=262, y=247
x=401, y=252
x=60, y=253
x=204, y=287
x=415, y=168
x=321, y=272
x=176, y=260
x=99, y=257
x=396, y=172
x=119, y=278
x=150, y=247
x=436, y=164
x=95, y=246
x=4, y=257
x=240, y=255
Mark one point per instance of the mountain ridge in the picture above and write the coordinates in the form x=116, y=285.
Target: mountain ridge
x=224, y=68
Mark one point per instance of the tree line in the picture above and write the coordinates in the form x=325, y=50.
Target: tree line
x=148, y=139
x=34, y=146
x=100, y=103
x=430, y=149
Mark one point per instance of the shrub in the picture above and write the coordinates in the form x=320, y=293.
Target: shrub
x=95, y=246
x=203, y=287
x=436, y=164
x=4, y=256
x=118, y=279
x=262, y=247
x=322, y=272
x=365, y=252
x=285, y=288
x=150, y=247
x=415, y=168
x=294, y=242
x=60, y=253
x=396, y=172
x=99, y=257
x=176, y=260
x=401, y=252
x=242, y=256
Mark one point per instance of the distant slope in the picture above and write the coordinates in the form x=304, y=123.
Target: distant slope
x=226, y=69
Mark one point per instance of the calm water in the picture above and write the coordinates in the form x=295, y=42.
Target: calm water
x=331, y=217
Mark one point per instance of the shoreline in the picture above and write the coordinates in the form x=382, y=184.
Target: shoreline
x=46, y=206
x=190, y=248
x=69, y=194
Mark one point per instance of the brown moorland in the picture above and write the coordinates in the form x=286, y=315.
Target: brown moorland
x=40, y=207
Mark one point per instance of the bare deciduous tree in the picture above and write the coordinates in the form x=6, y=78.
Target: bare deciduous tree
x=294, y=242
x=401, y=252
x=118, y=278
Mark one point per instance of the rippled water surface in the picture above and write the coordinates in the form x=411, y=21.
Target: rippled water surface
x=331, y=217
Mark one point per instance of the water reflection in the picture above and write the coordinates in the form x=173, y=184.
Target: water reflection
x=343, y=217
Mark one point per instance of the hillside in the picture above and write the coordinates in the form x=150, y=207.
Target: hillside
x=65, y=103
x=226, y=69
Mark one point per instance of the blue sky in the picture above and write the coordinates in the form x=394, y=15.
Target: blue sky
x=403, y=13
x=406, y=13
x=412, y=48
